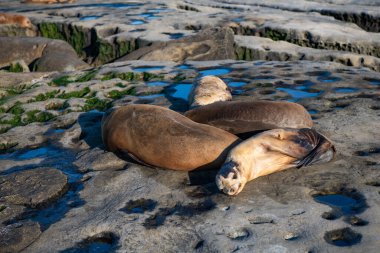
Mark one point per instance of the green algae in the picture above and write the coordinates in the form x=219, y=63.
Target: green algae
x=45, y=96
x=50, y=30
x=75, y=94
x=16, y=68
x=96, y=104
x=116, y=94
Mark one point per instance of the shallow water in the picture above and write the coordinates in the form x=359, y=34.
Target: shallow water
x=181, y=91
x=88, y=18
x=137, y=22
x=148, y=68
x=344, y=203
x=214, y=72
x=298, y=94
x=346, y=90
x=236, y=84
x=184, y=66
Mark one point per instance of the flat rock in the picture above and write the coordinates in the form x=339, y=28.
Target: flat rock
x=98, y=159
x=18, y=236
x=33, y=188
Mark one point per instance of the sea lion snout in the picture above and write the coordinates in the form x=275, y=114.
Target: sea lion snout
x=229, y=179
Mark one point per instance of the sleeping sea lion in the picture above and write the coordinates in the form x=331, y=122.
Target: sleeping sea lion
x=208, y=90
x=269, y=152
x=19, y=20
x=163, y=138
x=240, y=117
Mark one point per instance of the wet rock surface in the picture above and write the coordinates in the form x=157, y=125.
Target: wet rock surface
x=309, y=52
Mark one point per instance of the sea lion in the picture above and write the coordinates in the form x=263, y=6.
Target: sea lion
x=19, y=20
x=163, y=138
x=208, y=90
x=241, y=117
x=269, y=152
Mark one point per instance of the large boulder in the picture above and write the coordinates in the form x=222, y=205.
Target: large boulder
x=210, y=44
x=44, y=54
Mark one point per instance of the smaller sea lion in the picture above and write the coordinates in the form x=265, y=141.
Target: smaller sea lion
x=208, y=90
x=269, y=152
x=246, y=117
x=19, y=20
x=164, y=138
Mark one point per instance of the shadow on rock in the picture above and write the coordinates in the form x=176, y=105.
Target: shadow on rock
x=90, y=123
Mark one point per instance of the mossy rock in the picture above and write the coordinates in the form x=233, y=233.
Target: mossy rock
x=51, y=30
x=96, y=104
x=116, y=94
x=75, y=94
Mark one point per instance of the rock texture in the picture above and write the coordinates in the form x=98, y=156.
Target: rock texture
x=33, y=188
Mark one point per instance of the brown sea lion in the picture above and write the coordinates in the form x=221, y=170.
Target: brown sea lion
x=208, y=90
x=239, y=117
x=269, y=152
x=19, y=20
x=164, y=138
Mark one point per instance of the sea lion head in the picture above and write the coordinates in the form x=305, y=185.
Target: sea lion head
x=210, y=89
x=230, y=179
x=24, y=22
x=272, y=151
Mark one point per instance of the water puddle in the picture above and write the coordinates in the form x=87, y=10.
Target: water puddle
x=313, y=112
x=345, y=204
x=180, y=91
x=238, y=20
x=373, y=81
x=148, y=68
x=328, y=79
x=298, y=94
x=111, y=5
x=345, y=90
x=157, y=83
x=153, y=96
x=184, y=66
x=174, y=36
x=137, y=22
x=156, y=10
x=236, y=84
x=138, y=30
x=89, y=18
x=214, y=72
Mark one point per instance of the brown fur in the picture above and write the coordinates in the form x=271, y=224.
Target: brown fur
x=272, y=151
x=239, y=117
x=19, y=20
x=163, y=138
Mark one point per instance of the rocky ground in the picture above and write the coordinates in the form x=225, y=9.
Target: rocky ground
x=60, y=191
